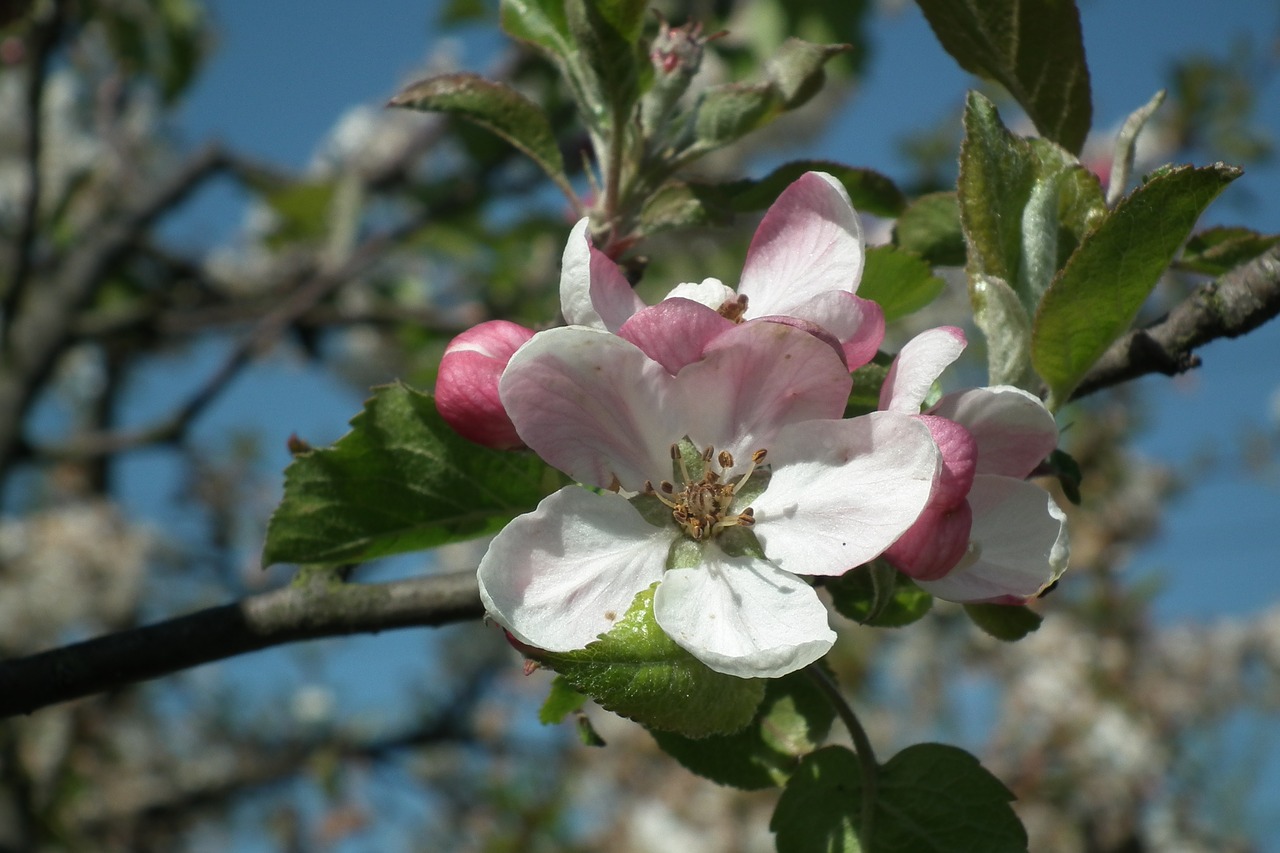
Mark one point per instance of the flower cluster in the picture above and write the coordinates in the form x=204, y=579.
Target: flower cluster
x=708, y=436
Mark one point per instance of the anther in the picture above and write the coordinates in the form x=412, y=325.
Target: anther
x=725, y=459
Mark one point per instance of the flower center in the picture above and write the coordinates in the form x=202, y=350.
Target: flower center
x=702, y=507
x=733, y=308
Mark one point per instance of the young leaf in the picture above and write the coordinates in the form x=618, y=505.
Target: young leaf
x=729, y=112
x=496, y=107
x=1220, y=250
x=878, y=594
x=899, y=281
x=796, y=69
x=792, y=720
x=678, y=204
x=1007, y=328
x=400, y=480
x=1037, y=53
x=604, y=51
x=1095, y=297
x=541, y=23
x=1004, y=621
x=930, y=227
x=638, y=672
x=930, y=798
x=562, y=701
x=1126, y=146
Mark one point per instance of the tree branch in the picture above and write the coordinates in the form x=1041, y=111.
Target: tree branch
x=1238, y=302
x=319, y=608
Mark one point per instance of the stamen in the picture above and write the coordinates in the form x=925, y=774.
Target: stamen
x=704, y=508
x=725, y=459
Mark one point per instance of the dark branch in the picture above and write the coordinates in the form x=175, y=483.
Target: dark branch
x=320, y=608
x=1235, y=304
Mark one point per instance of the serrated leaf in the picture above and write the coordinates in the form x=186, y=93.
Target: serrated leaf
x=1034, y=51
x=930, y=226
x=496, y=107
x=1095, y=297
x=899, y=281
x=638, y=672
x=930, y=798
x=870, y=191
x=400, y=480
x=792, y=720
x=878, y=594
x=1006, y=622
x=1219, y=250
x=562, y=701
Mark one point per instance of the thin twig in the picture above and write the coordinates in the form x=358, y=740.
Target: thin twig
x=861, y=745
x=300, y=612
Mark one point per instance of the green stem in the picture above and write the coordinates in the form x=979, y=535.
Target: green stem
x=613, y=169
x=861, y=745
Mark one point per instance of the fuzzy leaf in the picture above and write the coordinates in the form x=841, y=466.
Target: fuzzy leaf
x=1096, y=296
x=796, y=69
x=792, y=720
x=930, y=798
x=729, y=112
x=685, y=205
x=1007, y=328
x=1035, y=50
x=899, y=281
x=1220, y=250
x=400, y=480
x=638, y=672
x=930, y=226
x=494, y=106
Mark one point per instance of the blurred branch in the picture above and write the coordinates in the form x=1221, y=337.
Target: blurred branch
x=1235, y=304
x=304, y=611
x=43, y=38
x=41, y=329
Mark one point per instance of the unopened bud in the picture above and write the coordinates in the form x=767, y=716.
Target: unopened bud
x=467, y=388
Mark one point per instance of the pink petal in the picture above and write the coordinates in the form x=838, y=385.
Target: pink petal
x=594, y=406
x=842, y=491
x=754, y=379
x=858, y=324
x=675, y=331
x=467, y=386
x=934, y=544
x=742, y=616
x=918, y=365
x=1013, y=429
x=1018, y=544
x=809, y=241
x=560, y=576
x=959, y=461
x=593, y=291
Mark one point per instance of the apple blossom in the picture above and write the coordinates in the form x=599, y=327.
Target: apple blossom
x=467, y=386
x=783, y=488
x=987, y=534
x=803, y=267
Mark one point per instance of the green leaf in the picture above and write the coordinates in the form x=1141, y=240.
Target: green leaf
x=541, y=23
x=796, y=69
x=626, y=17
x=685, y=205
x=607, y=56
x=930, y=798
x=792, y=720
x=730, y=111
x=400, y=480
x=497, y=108
x=878, y=594
x=1006, y=622
x=864, y=397
x=1220, y=250
x=930, y=226
x=870, y=191
x=1034, y=51
x=638, y=672
x=1064, y=466
x=1007, y=328
x=562, y=701
x=899, y=281
x=301, y=209
x=1095, y=297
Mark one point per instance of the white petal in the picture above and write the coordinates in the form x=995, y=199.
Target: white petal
x=593, y=291
x=843, y=491
x=1018, y=543
x=743, y=617
x=753, y=379
x=560, y=576
x=710, y=292
x=594, y=406
x=809, y=241
x=1013, y=429
x=918, y=365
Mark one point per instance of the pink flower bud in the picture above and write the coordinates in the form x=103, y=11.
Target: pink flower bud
x=959, y=461
x=467, y=387
x=934, y=544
